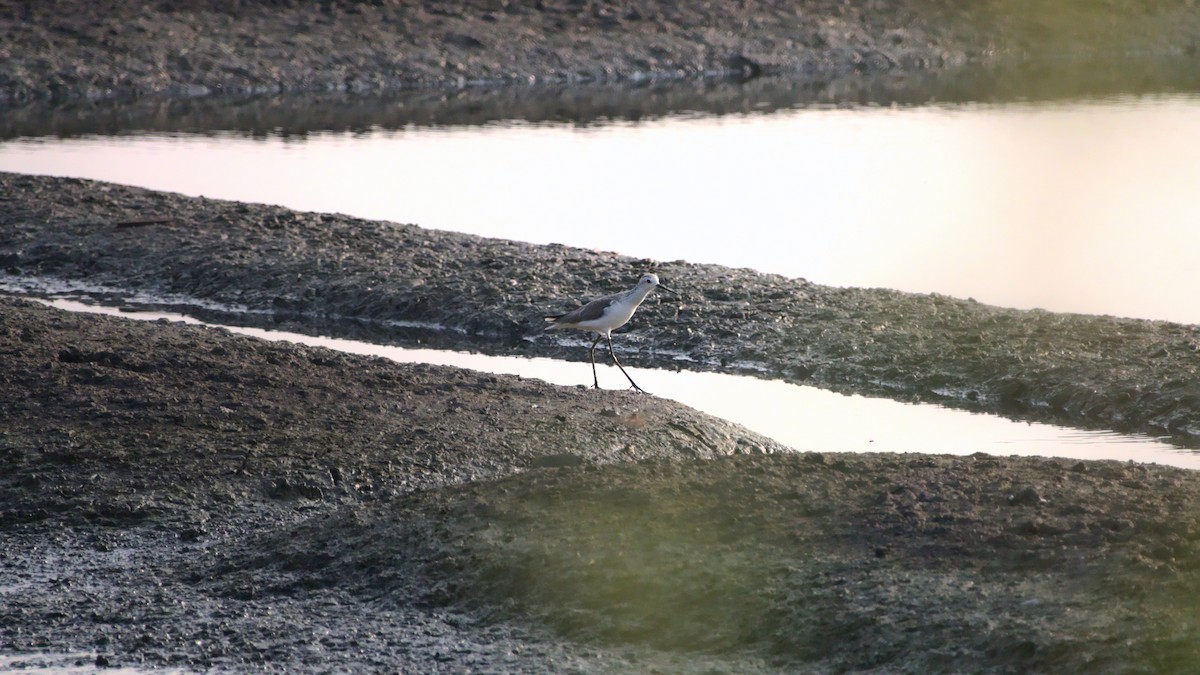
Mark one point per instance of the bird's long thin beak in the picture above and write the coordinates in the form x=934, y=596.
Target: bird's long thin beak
x=667, y=289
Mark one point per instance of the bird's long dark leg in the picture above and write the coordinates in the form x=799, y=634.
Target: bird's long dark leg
x=614, y=358
x=592, y=353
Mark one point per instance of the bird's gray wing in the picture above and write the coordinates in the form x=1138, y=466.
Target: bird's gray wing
x=589, y=312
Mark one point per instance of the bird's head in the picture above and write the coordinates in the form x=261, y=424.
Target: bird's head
x=650, y=282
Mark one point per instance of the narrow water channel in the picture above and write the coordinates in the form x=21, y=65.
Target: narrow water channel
x=804, y=418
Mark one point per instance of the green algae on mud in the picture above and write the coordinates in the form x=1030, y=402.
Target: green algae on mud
x=834, y=562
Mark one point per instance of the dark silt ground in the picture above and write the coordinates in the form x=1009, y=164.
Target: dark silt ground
x=71, y=49
x=176, y=495
x=348, y=276
x=180, y=496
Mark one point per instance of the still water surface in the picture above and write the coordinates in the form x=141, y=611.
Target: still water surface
x=1088, y=206
x=804, y=418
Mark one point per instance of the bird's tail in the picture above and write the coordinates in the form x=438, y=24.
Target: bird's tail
x=552, y=321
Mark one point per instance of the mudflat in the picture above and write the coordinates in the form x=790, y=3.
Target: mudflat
x=181, y=496
x=358, y=278
x=176, y=496
x=73, y=49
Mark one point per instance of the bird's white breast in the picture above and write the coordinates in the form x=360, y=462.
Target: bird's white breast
x=615, y=315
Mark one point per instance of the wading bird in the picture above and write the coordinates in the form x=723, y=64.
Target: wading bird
x=604, y=315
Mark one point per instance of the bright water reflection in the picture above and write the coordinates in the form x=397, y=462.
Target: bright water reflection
x=804, y=418
x=1084, y=207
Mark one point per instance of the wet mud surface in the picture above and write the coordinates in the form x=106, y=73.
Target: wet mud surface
x=69, y=49
x=383, y=281
x=142, y=461
x=294, y=115
x=180, y=496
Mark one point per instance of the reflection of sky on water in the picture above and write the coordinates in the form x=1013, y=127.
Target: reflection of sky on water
x=804, y=418
x=1086, y=207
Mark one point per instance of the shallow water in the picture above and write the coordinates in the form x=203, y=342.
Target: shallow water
x=1085, y=206
x=804, y=418
x=62, y=663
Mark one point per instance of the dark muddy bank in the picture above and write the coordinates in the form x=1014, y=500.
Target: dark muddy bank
x=69, y=49
x=177, y=495
x=296, y=115
x=142, y=460
x=307, y=272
